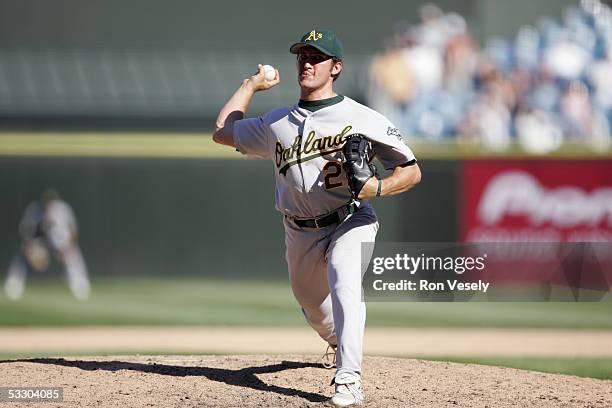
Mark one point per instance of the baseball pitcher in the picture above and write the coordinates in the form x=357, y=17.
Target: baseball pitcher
x=322, y=148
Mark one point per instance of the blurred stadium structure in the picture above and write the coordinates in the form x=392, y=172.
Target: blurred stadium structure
x=111, y=83
x=94, y=64
x=551, y=81
x=547, y=84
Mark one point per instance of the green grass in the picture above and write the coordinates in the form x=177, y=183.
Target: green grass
x=259, y=303
x=154, y=302
x=582, y=367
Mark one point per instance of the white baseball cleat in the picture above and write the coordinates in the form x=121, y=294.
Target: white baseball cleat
x=349, y=391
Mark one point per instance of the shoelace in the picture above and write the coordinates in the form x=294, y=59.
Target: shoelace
x=329, y=358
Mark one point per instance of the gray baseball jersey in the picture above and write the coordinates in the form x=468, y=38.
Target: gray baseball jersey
x=305, y=143
x=306, y=146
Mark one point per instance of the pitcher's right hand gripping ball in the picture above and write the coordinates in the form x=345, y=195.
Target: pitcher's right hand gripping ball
x=357, y=166
x=260, y=81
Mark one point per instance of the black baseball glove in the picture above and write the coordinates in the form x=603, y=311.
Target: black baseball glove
x=357, y=151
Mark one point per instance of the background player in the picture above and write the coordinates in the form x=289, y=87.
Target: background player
x=325, y=222
x=48, y=226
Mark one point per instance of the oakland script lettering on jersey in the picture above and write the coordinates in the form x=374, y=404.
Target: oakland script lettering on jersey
x=323, y=145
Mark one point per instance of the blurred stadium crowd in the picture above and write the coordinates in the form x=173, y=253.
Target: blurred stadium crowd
x=551, y=83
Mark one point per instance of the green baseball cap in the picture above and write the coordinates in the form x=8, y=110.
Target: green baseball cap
x=325, y=41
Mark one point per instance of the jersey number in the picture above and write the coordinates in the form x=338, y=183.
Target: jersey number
x=332, y=170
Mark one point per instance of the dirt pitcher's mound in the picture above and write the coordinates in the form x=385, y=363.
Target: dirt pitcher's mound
x=293, y=381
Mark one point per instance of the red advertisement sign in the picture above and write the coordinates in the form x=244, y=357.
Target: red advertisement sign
x=536, y=200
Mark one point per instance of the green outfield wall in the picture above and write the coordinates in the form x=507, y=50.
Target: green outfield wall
x=212, y=217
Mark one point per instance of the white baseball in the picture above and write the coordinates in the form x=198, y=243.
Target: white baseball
x=269, y=72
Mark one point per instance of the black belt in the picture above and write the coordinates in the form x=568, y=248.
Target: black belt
x=325, y=220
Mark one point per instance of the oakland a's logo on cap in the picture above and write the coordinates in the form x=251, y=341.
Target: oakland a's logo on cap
x=324, y=41
x=314, y=36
